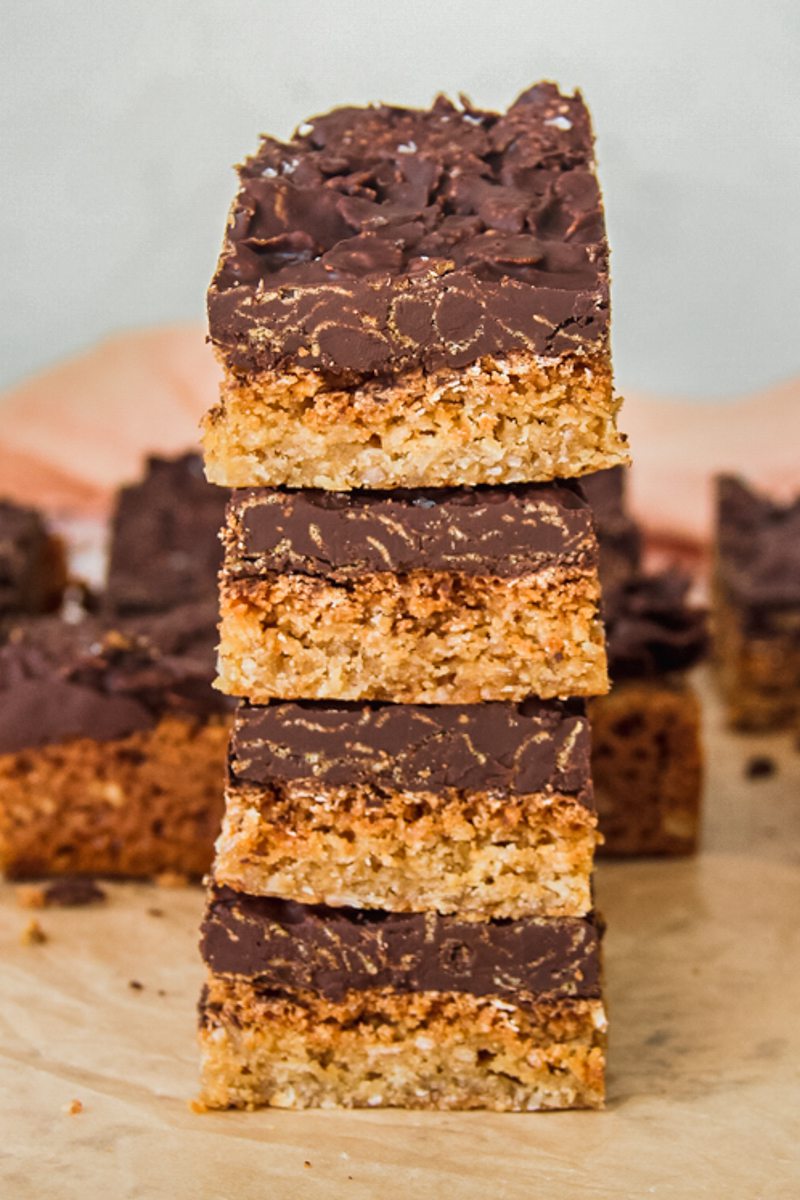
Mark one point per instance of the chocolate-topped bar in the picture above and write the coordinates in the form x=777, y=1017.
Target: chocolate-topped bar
x=165, y=548
x=32, y=563
x=485, y=810
x=647, y=756
x=416, y=298
x=112, y=745
x=757, y=606
x=499, y=1014
x=424, y=596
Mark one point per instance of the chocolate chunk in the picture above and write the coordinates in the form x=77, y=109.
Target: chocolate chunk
x=490, y=224
x=537, y=746
x=292, y=947
x=165, y=549
x=478, y=531
x=73, y=892
x=759, y=550
x=105, y=680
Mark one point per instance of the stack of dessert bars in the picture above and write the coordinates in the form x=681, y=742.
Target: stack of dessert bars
x=411, y=310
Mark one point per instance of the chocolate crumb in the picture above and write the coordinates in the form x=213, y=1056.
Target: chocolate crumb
x=135, y=985
x=73, y=893
x=73, y=1107
x=33, y=934
x=760, y=766
x=306, y=1163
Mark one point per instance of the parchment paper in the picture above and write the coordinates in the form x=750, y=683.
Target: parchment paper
x=703, y=967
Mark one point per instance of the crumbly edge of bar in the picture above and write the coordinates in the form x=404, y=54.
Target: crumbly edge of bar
x=430, y=1050
x=647, y=765
x=759, y=674
x=424, y=637
x=483, y=855
x=132, y=807
x=515, y=419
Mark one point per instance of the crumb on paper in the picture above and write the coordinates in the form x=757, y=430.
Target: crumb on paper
x=197, y=1106
x=73, y=1107
x=136, y=985
x=155, y=912
x=171, y=879
x=33, y=934
x=306, y=1163
x=30, y=895
x=760, y=766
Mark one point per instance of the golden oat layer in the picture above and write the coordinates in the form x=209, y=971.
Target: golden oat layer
x=371, y=1049
x=428, y=637
x=480, y=854
x=510, y=420
x=137, y=805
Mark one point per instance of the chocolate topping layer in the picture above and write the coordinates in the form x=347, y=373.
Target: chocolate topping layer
x=93, y=679
x=758, y=545
x=652, y=629
x=538, y=746
x=165, y=547
x=293, y=947
x=381, y=239
x=478, y=531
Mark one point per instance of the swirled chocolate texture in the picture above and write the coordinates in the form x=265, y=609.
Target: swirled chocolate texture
x=477, y=531
x=537, y=746
x=103, y=681
x=290, y=947
x=382, y=239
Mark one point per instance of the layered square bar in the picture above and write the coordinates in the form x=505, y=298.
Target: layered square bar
x=482, y=810
x=647, y=758
x=421, y=597
x=647, y=753
x=32, y=563
x=165, y=549
x=757, y=607
x=310, y=1006
x=112, y=746
x=413, y=298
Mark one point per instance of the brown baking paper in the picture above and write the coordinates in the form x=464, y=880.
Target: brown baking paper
x=703, y=971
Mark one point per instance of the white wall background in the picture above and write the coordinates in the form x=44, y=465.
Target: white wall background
x=120, y=119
